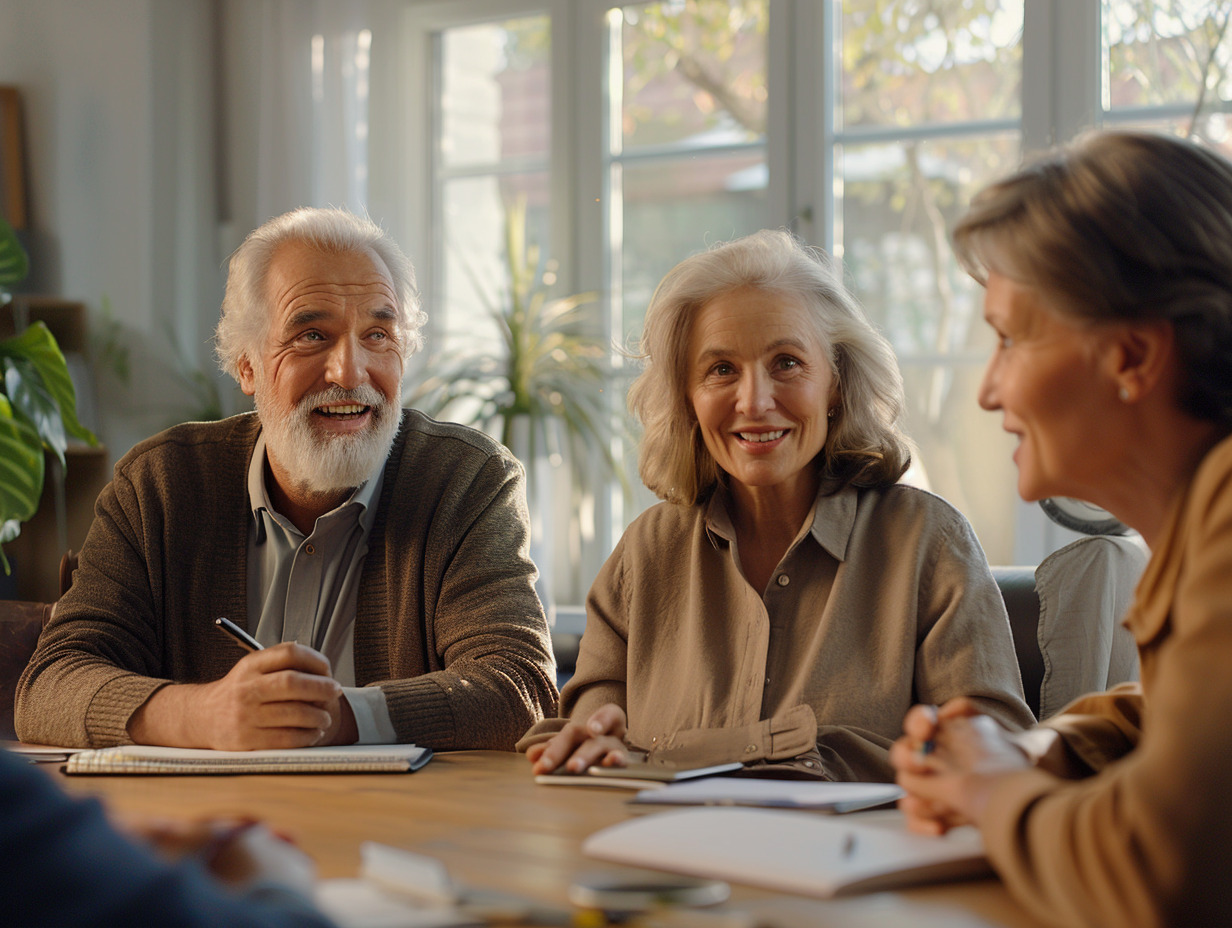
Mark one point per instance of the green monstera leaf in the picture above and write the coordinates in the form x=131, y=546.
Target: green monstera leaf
x=21, y=471
x=14, y=264
x=38, y=405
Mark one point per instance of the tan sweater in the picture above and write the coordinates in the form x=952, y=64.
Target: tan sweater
x=447, y=622
x=1148, y=840
x=885, y=601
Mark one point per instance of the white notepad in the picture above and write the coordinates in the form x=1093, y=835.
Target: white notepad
x=352, y=758
x=798, y=852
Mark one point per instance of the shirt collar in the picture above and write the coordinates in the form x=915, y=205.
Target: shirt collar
x=258, y=494
x=834, y=517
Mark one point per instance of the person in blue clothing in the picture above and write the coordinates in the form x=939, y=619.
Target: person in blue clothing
x=63, y=863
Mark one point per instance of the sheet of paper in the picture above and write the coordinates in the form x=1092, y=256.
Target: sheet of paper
x=356, y=903
x=41, y=753
x=797, y=852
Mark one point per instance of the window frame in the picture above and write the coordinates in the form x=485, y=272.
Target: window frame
x=1061, y=96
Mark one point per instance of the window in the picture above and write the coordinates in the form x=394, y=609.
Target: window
x=1166, y=66
x=927, y=109
x=493, y=129
x=640, y=132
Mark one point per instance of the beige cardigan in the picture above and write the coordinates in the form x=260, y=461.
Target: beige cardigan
x=447, y=622
x=885, y=601
x=1147, y=841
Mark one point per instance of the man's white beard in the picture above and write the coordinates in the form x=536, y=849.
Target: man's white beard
x=320, y=463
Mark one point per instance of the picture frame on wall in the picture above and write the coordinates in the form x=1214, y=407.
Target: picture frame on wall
x=13, y=202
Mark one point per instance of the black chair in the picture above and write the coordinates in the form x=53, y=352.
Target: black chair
x=1023, y=605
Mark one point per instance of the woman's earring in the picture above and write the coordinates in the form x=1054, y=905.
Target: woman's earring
x=831, y=413
x=1123, y=394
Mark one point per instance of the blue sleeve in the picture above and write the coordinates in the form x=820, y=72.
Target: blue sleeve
x=63, y=864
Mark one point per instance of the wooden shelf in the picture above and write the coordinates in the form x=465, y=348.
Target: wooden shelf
x=36, y=552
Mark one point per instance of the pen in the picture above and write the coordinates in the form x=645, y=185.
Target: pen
x=238, y=635
x=849, y=845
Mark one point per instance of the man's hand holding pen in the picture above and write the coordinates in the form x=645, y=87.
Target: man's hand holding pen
x=277, y=697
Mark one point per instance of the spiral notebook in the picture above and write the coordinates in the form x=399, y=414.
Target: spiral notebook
x=353, y=758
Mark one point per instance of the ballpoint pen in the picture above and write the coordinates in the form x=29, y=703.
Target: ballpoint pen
x=238, y=635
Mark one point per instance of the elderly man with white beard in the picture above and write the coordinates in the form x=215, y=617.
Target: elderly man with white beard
x=380, y=557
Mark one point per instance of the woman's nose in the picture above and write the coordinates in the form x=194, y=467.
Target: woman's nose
x=756, y=393
x=988, y=396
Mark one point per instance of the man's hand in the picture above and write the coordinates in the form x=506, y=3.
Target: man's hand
x=281, y=697
x=599, y=740
x=948, y=761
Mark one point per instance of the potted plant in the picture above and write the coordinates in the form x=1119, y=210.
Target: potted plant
x=38, y=406
x=542, y=391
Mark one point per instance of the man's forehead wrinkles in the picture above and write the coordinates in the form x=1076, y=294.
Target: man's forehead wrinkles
x=300, y=290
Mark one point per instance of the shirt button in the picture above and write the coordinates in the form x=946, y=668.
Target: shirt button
x=767, y=681
x=751, y=749
x=783, y=580
x=311, y=550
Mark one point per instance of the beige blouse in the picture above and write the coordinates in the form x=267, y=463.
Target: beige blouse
x=1148, y=840
x=884, y=600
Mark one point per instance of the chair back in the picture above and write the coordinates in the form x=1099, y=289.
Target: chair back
x=1017, y=586
x=20, y=625
x=1065, y=616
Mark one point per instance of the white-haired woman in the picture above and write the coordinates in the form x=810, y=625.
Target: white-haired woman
x=789, y=600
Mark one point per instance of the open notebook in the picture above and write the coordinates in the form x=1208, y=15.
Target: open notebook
x=353, y=758
x=798, y=852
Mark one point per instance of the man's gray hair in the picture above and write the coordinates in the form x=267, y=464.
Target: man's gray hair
x=246, y=313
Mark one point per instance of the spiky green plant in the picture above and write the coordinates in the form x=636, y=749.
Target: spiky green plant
x=548, y=368
x=38, y=406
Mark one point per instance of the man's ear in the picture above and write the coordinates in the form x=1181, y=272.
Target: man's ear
x=247, y=378
x=1144, y=355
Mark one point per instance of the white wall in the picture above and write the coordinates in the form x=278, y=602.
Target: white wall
x=119, y=107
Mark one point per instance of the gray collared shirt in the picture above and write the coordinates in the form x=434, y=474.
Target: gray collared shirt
x=306, y=589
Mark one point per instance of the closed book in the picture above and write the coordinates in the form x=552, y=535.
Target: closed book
x=353, y=758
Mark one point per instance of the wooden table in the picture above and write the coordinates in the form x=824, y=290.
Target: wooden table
x=482, y=814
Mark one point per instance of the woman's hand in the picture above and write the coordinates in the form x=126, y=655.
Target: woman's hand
x=598, y=740
x=948, y=761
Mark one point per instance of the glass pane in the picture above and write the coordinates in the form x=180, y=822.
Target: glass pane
x=474, y=269
x=1214, y=129
x=495, y=94
x=676, y=208
x=694, y=72
x=906, y=62
x=897, y=205
x=1167, y=52
x=964, y=454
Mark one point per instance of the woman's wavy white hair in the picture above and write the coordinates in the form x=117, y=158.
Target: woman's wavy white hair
x=865, y=445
